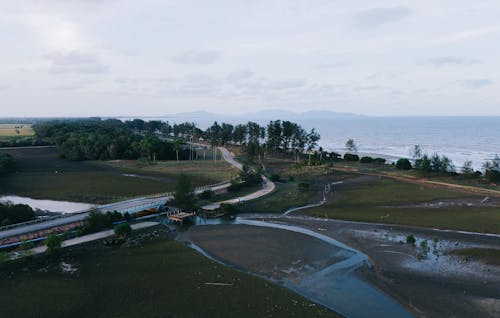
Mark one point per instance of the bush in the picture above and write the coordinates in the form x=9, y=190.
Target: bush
x=235, y=186
x=228, y=209
x=410, y=239
x=122, y=229
x=403, y=164
x=351, y=157
x=205, y=195
x=366, y=159
x=304, y=185
x=54, y=245
x=275, y=177
x=492, y=175
x=379, y=160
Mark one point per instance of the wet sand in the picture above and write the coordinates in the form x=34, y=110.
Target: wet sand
x=270, y=252
x=438, y=284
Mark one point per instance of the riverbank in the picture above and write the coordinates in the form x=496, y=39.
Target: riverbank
x=151, y=276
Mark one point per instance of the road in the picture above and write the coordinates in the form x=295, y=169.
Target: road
x=137, y=204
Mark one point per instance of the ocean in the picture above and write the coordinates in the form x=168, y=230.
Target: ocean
x=459, y=138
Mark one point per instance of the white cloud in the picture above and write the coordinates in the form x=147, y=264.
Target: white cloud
x=74, y=62
x=196, y=57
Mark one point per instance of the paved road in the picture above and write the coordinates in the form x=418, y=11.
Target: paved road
x=91, y=237
x=135, y=204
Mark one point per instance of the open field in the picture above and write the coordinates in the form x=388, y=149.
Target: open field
x=15, y=130
x=41, y=174
x=161, y=278
x=286, y=195
x=384, y=200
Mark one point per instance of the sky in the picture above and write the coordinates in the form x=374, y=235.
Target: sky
x=152, y=58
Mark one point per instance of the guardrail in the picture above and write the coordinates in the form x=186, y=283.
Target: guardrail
x=103, y=207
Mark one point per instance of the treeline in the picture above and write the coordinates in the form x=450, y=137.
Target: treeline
x=96, y=139
x=24, y=142
x=15, y=213
x=7, y=163
x=276, y=137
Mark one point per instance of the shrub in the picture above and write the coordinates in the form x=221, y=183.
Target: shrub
x=304, y=185
x=122, y=229
x=274, y=178
x=379, y=160
x=492, y=175
x=403, y=164
x=366, y=159
x=351, y=157
x=207, y=194
x=54, y=245
x=228, y=209
x=410, y=239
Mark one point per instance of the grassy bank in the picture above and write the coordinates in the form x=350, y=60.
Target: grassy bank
x=383, y=200
x=286, y=195
x=161, y=278
x=42, y=174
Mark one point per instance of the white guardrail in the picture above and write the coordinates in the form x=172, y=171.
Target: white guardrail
x=108, y=207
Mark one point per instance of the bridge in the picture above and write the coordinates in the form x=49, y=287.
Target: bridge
x=128, y=206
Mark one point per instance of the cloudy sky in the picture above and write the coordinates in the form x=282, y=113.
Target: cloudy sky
x=152, y=57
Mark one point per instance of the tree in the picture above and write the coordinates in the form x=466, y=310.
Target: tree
x=122, y=230
x=467, y=169
x=177, y=146
x=351, y=145
x=184, y=193
x=416, y=152
x=403, y=164
x=54, y=245
x=312, y=141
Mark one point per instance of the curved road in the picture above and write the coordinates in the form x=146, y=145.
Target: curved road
x=145, y=202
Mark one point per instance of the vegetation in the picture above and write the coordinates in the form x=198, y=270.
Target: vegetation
x=351, y=157
x=172, y=283
x=375, y=199
x=184, y=197
x=96, y=139
x=42, y=174
x=97, y=221
x=366, y=159
x=7, y=163
x=122, y=229
x=351, y=145
x=15, y=213
x=492, y=169
x=54, y=245
x=403, y=164
x=487, y=255
x=410, y=239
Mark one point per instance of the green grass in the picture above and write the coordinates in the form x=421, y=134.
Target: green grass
x=161, y=278
x=487, y=255
x=286, y=195
x=380, y=199
x=42, y=174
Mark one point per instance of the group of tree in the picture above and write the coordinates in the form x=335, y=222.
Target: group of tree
x=15, y=213
x=7, y=163
x=96, y=139
x=97, y=221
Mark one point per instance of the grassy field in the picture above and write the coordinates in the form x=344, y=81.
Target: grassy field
x=161, y=278
x=384, y=200
x=285, y=196
x=15, y=130
x=42, y=174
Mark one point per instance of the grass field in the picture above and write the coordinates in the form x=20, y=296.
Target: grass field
x=384, y=200
x=286, y=195
x=161, y=278
x=42, y=174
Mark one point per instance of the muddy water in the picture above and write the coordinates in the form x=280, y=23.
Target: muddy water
x=335, y=286
x=48, y=205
